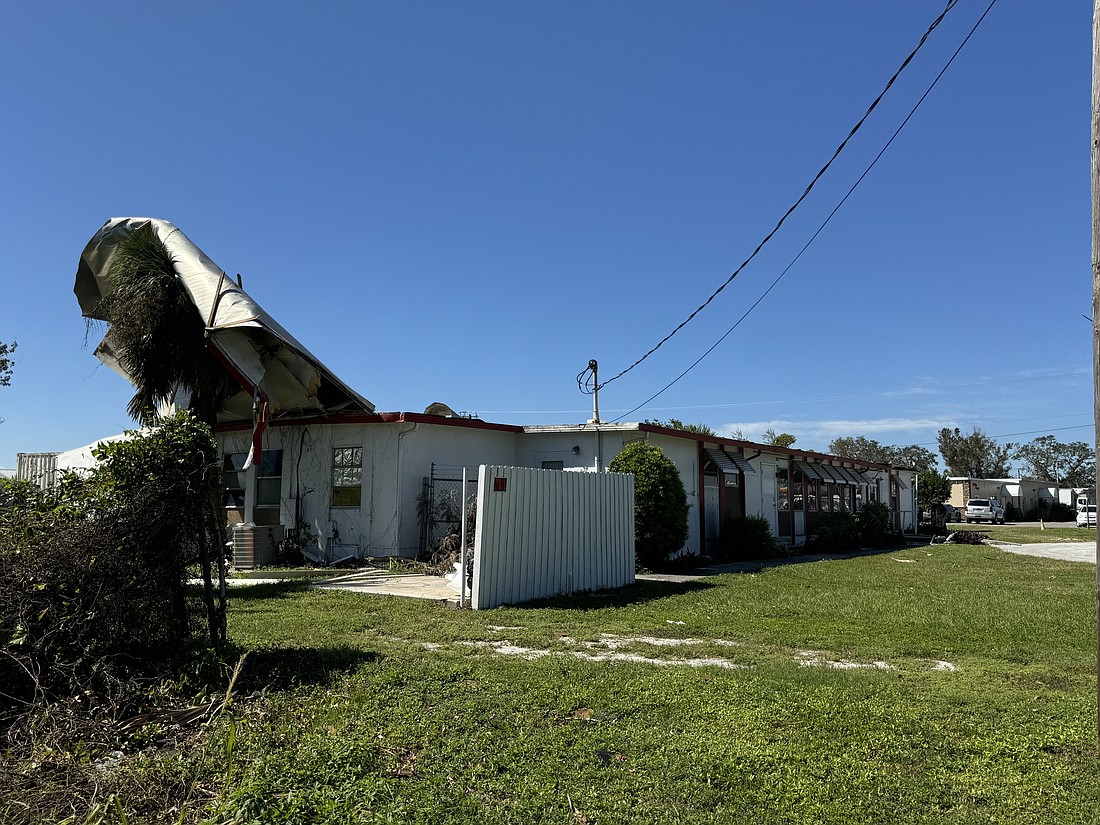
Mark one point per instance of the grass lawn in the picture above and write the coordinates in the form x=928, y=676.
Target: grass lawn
x=951, y=684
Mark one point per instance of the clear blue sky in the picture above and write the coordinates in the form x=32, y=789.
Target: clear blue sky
x=464, y=202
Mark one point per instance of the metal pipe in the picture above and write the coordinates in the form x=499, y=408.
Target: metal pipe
x=462, y=547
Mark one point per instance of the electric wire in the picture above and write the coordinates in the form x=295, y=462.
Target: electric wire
x=874, y=104
x=824, y=223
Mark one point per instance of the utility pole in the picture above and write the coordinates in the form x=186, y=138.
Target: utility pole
x=1096, y=297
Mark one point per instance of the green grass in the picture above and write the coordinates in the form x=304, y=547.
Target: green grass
x=354, y=708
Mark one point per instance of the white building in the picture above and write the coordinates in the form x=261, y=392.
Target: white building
x=356, y=485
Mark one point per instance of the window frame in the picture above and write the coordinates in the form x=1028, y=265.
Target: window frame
x=351, y=467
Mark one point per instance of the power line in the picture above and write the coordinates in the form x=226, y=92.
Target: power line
x=879, y=394
x=801, y=198
x=821, y=399
x=813, y=237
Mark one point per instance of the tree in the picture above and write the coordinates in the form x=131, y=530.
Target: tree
x=660, y=502
x=1069, y=465
x=780, y=440
x=6, y=363
x=677, y=424
x=867, y=449
x=157, y=333
x=975, y=455
x=933, y=489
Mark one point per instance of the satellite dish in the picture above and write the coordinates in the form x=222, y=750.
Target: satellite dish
x=439, y=408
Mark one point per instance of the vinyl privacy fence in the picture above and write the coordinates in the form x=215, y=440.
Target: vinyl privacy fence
x=548, y=532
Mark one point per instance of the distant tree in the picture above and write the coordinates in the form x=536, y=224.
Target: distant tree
x=780, y=440
x=975, y=455
x=677, y=424
x=867, y=449
x=933, y=489
x=6, y=362
x=915, y=456
x=1046, y=458
x=660, y=502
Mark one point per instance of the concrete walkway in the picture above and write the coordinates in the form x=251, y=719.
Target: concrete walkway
x=1083, y=551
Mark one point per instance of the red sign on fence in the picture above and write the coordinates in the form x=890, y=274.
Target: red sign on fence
x=500, y=485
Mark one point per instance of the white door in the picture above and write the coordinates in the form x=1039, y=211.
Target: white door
x=768, y=502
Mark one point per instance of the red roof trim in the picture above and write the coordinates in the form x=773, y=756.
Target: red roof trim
x=377, y=418
x=750, y=445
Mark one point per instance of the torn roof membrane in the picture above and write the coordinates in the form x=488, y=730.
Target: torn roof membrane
x=255, y=350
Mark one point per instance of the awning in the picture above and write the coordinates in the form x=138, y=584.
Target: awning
x=850, y=475
x=730, y=463
x=812, y=471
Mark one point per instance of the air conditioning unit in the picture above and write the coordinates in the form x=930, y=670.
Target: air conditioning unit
x=256, y=545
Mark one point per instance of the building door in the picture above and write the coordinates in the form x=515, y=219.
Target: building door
x=768, y=501
x=712, y=517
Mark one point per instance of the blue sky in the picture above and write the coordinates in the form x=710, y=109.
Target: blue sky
x=465, y=202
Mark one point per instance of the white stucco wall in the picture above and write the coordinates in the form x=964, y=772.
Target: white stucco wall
x=396, y=458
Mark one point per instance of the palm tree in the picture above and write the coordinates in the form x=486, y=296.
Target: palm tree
x=156, y=332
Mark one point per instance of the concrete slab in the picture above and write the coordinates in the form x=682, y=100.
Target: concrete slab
x=409, y=585
x=1082, y=551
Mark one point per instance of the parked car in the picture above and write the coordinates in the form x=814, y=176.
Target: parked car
x=985, y=509
x=1086, y=516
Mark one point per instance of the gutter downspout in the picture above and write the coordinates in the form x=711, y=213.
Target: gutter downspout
x=400, y=473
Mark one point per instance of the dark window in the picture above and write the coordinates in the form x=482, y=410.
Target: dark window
x=269, y=478
x=553, y=465
x=234, y=479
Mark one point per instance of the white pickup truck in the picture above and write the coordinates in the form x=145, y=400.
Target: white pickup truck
x=984, y=509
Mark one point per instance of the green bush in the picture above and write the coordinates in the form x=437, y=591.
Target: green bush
x=874, y=524
x=1046, y=511
x=93, y=571
x=746, y=537
x=660, y=503
x=834, y=532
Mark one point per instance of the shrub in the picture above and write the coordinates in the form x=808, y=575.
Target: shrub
x=874, y=524
x=1048, y=511
x=836, y=532
x=746, y=537
x=660, y=503
x=93, y=571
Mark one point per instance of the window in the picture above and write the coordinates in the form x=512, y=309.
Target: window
x=783, y=489
x=269, y=478
x=233, y=467
x=553, y=465
x=811, y=495
x=848, y=497
x=347, y=477
x=797, y=482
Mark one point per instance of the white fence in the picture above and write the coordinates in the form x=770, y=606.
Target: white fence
x=546, y=532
